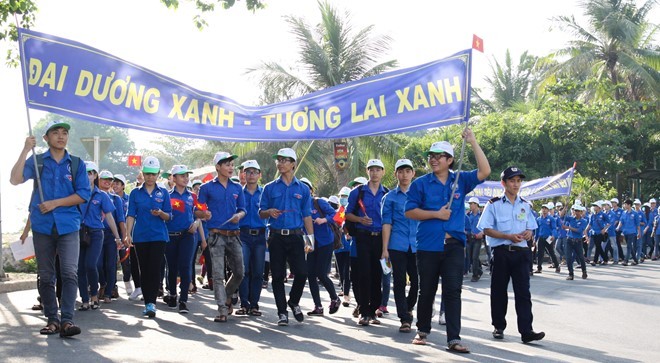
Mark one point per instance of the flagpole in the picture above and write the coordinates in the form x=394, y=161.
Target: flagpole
x=460, y=167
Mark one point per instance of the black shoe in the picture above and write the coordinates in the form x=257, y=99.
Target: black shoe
x=593, y=263
x=283, y=321
x=532, y=336
x=475, y=278
x=538, y=271
x=171, y=302
x=364, y=321
x=584, y=275
x=297, y=312
x=570, y=277
x=558, y=269
x=183, y=309
x=316, y=312
x=498, y=334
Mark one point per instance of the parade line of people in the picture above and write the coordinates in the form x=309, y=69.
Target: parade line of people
x=412, y=238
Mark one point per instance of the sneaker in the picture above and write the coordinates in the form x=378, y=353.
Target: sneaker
x=384, y=310
x=558, y=269
x=474, y=278
x=442, y=320
x=129, y=287
x=570, y=277
x=283, y=320
x=135, y=295
x=183, y=308
x=318, y=311
x=634, y=263
x=150, y=310
x=498, y=334
x=234, y=298
x=171, y=303
x=364, y=321
x=531, y=336
x=334, y=306
x=297, y=312
x=161, y=292
x=538, y=271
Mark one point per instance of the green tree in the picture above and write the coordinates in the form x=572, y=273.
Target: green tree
x=206, y=6
x=12, y=11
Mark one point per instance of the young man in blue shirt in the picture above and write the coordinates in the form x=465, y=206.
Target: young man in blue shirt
x=575, y=225
x=508, y=223
x=226, y=206
x=599, y=224
x=55, y=222
x=475, y=238
x=547, y=230
x=629, y=225
x=441, y=234
x=287, y=203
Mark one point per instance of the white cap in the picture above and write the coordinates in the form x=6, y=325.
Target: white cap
x=333, y=199
x=473, y=200
x=189, y=185
x=652, y=200
x=222, y=155
x=151, y=165
x=440, y=147
x=235, y=179
x=607, y=202
x=52, y=124
x=375, y=162
x=180, y=169
x=105, y=174
x=615, y=200
x=551, y=205
x=250, y=164
x=637, y=202
x=196, y=181
x=545, y=206
x=578, y=202
x=306, y=181
x=90, y=165
x=647, y=205
x=403, y=162
x=579, y=207
x=120, y=177
x=559, y=204
x=286, y=153
x=359, y=180
x=344, y=191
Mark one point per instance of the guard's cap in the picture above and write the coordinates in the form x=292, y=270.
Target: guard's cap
x=510, y=172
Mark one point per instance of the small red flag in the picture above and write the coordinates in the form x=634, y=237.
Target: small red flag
x=198, y=205
x=340, y=216
x=134, y=160
x=178, y=205
x=477, y=43
x=208, y=177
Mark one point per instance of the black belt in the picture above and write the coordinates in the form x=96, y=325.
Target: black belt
x=175, y=234
x=286, y=232
x=253, y=231
x=512, y=248
x=368, y=233
x=449, y=241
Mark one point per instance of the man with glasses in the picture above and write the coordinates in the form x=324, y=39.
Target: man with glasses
x=287, y=203
x=441, y=234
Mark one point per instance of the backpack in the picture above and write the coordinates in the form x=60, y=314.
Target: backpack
x=336, y=241
x=351, y=227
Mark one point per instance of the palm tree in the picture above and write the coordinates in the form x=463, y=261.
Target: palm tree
x=330, y=54
x=616, y=47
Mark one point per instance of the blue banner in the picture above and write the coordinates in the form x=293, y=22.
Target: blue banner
x=548, y=187
x=76, y=80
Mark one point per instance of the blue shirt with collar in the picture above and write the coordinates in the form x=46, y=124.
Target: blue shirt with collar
x=251, y=219
x=598, y=221
x=182, y=210
x=560, y=232
x=404, y=230
x=642, y=219
x=124, y=198
x=147, y=227
x=473, y=220
x=629, y=222
x=323, y=235
x=223, y=202
x=118, y=214
x=506, y=217
x=95, y=209
x=547, y=226
x=294, y=200
x=372, y=206
x=56, y=183
x=428, y=193
x=578, y=224
x=613, y=220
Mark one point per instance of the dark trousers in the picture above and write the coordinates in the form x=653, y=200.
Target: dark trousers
x=542, y=246
x=573, y=251
x=514, y=266
x=448, y=265
x=355, y=279
x=179, y=253
x=285, y=249
x=150, y=256
x=318, y=263
x=473, y=250
x=404, y=263
x=369, y=273
x=598, y=241
x=343, y=265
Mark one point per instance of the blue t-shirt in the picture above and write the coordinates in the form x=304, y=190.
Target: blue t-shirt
x=118, y=214
x=147, y=227
x=372, y=207
x=293, y=200
x=547, y=226
x=95, y=209
x=223, y=202
x=473, y=222
x=251, y=219
x=598, y=221
x=404, y=230
x=579, y=224
x=429, y=193
x=183, y=206
x=613, y=220
x=629, y=222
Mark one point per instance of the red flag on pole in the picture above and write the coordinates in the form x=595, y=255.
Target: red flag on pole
x=198, y=205
x=134, y=160
x=208, y=177
x=477, y=43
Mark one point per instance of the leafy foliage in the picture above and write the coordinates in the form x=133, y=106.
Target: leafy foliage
x=206, y=6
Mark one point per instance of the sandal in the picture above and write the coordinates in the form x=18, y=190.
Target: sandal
x=107, y=300
x=69, y=329
x=405, y=328
x=230, y=309
x=420, y=339
x=458, y=348
x=242, y=311
x=83, y=307
x=52, y=328
x=255, y=312
x=95, y=305
x=220, y=319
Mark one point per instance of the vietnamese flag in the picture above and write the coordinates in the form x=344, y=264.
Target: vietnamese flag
x=340, y=216
x=208, y=177
x=198, y=205
x=477, y=43
x=178, y=205
x=134, y=160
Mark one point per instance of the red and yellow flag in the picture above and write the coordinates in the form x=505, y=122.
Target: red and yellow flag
x=340, y=216
x=134, y=160
x=198, y=205
x=178, y=205
x=477, y=43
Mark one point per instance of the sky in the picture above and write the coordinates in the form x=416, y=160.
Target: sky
x=215, y=60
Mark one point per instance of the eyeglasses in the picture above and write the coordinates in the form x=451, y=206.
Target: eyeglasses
x=439, y=156
x=252, y=172
x=284, y=160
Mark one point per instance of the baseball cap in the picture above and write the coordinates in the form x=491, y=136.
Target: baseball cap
x=120, y=177
x=473, y=200
x=440, y=147
x=652, y=200
x=223, y=155
x=578, y=202
x=196, y=181
x=53, y=124
x=90, y=165
x=637, y=202
x=510, y=172
x=545, y=206
x=286, y=153
x=614, y=200
x=375, y=162
x=151, y=165
x=250, y=164
x=306, y=181
x=235, y=179
x=579, y=207
x=607, y=202
x=344, y=191
x=596, y=203
x=559, y=204
x=359, y=180
x=180, y=169
x=403, y=162
x=551, y=205
x=105, y=174
x=647, y=205
x=333, y=199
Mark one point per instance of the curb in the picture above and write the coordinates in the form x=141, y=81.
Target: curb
x=9, y=285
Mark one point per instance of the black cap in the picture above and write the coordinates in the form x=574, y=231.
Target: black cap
x=510, y=172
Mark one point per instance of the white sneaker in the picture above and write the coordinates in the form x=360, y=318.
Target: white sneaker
x=135, y=295
x=129, y=287
x=442, y=320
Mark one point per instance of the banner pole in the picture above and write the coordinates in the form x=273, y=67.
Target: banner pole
x=27, y=111
x=460, y=168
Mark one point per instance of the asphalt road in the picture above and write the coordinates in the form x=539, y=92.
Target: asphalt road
x=611, y=317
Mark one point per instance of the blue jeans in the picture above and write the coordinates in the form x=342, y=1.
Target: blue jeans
x=573, y=251
x=254, y=256
x=46, y=247
x=386, y=281
x=318, y=262
x=179, y=254
x=107, y=264
x=473, y=250
x=631, y=247
x=448, y=265
x=561, y=247
x=656, y=253
x=88, y=272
